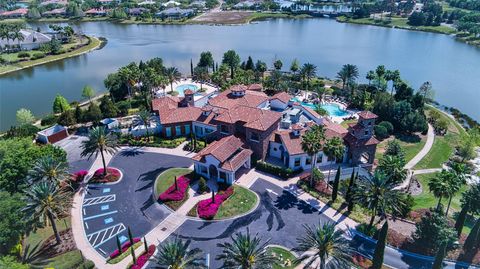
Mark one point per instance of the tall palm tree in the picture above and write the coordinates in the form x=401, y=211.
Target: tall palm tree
x=245, y=252
x=160, y=81
x=457, y=180
x=334, y=149
x=312, y=144
x=173, y=75
x=176, y=254
x=441, y=186
x=470, y=204
x=49, y=169
x=370, y=76
x=130, y=75
x=393, y=167
x=45, y=201
x=324, y=243
x=378, y=194
x=99, y=141
x=347, y=74
x=144, y=118
x=307, y=72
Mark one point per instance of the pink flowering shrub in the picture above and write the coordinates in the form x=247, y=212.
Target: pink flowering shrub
x=207, y=210
x=113, y=175
x=175, y=195
x=143, y=259
x=80, y=175
x=125, y=247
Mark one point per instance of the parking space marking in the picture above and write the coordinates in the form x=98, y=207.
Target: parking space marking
x=100, y=215
x=107, y=221
x=122, y=238
x=99, y=200
x=104, y=207
x=105, y=190
x=97, y=238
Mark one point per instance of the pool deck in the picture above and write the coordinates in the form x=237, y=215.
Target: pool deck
x=209, y=87
x=336, y=119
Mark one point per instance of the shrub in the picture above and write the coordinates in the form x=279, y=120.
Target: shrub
x=112, y=176
x=49, y=120
x=202, y=185
x=38, y=55
x=143, y=259
x=79, y=175
x=433, y=228
x=284, y=173
x=207, y=209
x=366, y=229
x=381, y=132
x=23, y=54
x=125, y=247
x=387, y=126
x=172, y=194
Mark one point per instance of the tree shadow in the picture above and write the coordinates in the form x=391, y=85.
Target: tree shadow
x=131, y=152
x=409, y=138
x=285, y=201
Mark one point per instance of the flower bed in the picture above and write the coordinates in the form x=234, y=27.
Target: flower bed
x=113, y=175
x=172, y=194
x=125, y=247
x=143, y=259
x=79, y=176
x=207, y=210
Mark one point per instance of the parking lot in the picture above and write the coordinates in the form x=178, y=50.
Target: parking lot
x=109, y=209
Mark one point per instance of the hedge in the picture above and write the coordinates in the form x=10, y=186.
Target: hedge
x=284, y=173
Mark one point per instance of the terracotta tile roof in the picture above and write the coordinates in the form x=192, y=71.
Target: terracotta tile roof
x=311, y=111
x=355, y=142
x=297, y=126
x=255, y=87
x=188, y=92
x=238, y=88
x=254, y=118
x=333, y=129
x=20, y=11
x=292, y=143
x=225, y=149
x=282, y=96
x=367, y=115
x=355, y=126
x=228, y=101
x=169, y=112
x=237, y=160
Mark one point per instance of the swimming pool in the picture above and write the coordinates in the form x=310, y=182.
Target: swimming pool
x=333, y=109
x=182, y=88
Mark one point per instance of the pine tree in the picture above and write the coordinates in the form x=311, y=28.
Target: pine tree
x=132, y=250
x=191, y=67
x=176, y=183
x=336, y=182
x=438, y=263
x=130, y=237
x=145, y=244
x=473, y=236
x=380, y=247
x=350, y=186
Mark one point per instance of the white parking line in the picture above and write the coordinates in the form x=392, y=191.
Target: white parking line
x=106, y=234
x=100, y=215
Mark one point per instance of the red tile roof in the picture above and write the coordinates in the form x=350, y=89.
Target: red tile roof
x=333, y=129
x=355, y=142
x=238, y=88
x=228, y=101
x=255, y=87
x=20, y=11
x=282, y=96
x=237, y=160
x=169, y=112
x=188, y=92
x=229, y=151
x=292, y=143
x=367, y=115
x=254, y=118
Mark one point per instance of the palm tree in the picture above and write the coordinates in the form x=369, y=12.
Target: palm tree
x=312, y=144
x=45, y=201
x=370, y=76
x=245, y=252
x=441, y=186
x=470, y=204
x=347, y=74
x=18, y=36
x=130, y=75
x=232, y=60
x=378, y=194
x=457, y=180
x=49, y=169
x=307, y=72
x=201, y=74
x=324, y=243
x=334, y=150
x=144, y=118
x=173, y=75
x=393, y=167
x=176, y=254
x=99, y=141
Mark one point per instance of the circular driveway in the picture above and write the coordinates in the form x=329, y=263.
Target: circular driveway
x=108, y=210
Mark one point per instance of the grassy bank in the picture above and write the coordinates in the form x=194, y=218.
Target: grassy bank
x=398, y=22
x=92, y=44
x=259, y=16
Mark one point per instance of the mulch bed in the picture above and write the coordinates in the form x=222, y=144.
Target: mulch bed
x=50, y=248
x=113, y=175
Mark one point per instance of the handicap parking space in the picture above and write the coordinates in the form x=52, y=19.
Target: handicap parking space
x=108, y=210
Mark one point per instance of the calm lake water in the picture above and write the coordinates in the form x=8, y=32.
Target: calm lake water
x=452, y=67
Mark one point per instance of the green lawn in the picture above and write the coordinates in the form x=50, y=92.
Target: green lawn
x=167, y=178
x=242, y=201
x=427, y=200
x=285, y=257
x=69, y=260
x=44, y=233
x=346, y=122
x=410, y=144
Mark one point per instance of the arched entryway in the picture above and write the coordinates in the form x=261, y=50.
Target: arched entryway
x=213, y=172
x=365, y=158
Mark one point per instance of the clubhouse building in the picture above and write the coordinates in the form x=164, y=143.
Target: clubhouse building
x=243, y=123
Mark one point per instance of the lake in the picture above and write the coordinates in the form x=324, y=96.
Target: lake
x=453, y=67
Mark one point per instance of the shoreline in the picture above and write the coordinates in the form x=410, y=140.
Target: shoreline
x=94, y=44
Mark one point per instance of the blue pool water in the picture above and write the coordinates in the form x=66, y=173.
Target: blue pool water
x=182, y=88
x=332, y=109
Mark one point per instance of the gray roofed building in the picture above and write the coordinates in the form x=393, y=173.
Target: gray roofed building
x=175, y=13
x=31, y=40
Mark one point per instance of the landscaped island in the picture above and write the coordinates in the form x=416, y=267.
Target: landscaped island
x=29, y=48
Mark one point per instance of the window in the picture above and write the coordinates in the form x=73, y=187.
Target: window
x=254, y=137
x=168, y=131
x=187, y=129
x=203, y=169
x=198, y=130
x=308, y=161
x=224, y=129
x=366, y=132
x=223, y=175
x=319, y=158
x=178, y=130
x=297, y=162
x=369, y=123
x=208, y=130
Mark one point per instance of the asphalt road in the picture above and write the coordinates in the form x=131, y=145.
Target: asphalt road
x=279, y=217
x=108, y=210
x=72, y=145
